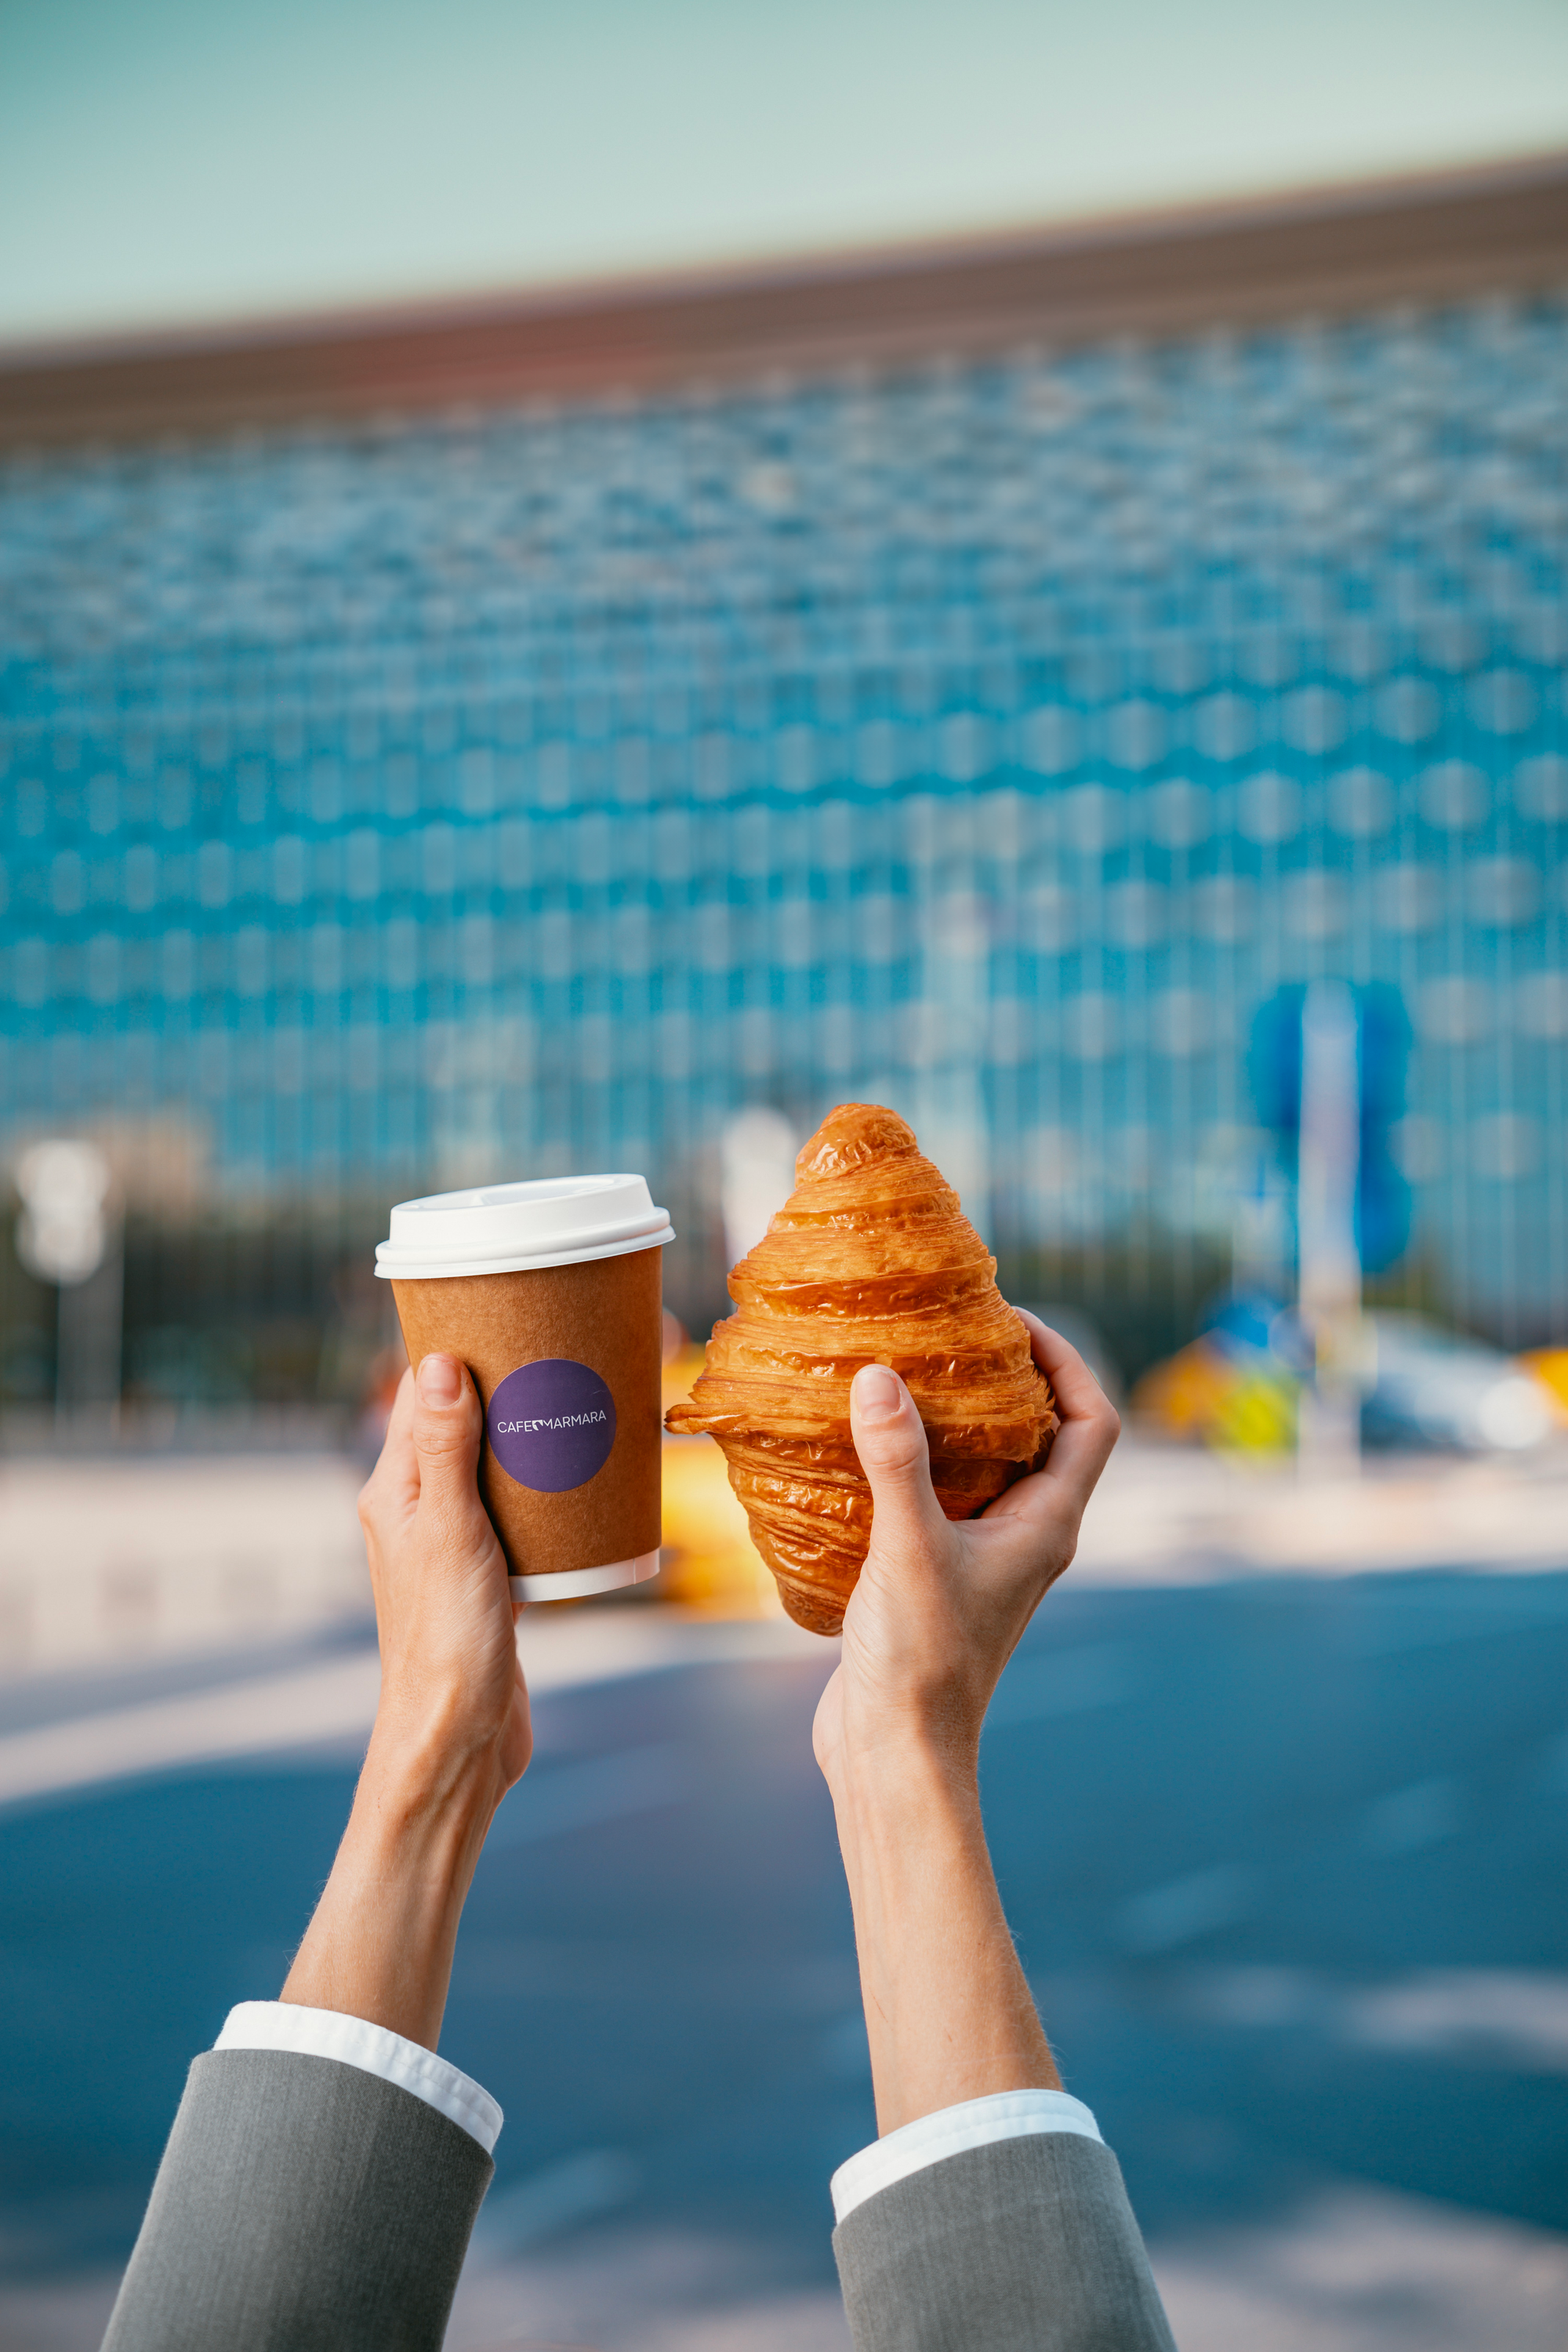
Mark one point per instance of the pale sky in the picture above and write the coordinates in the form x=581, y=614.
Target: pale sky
x=181, y=162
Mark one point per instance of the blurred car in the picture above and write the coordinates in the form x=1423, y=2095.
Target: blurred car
x=1237, y=1385
x=1439, y=1388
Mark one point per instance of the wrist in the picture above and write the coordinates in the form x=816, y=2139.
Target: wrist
x=429, y=1758
x=421, y=1799
x=901, y=1797
x=903, y=1762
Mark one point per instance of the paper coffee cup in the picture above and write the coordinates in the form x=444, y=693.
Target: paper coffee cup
x=549, y=1292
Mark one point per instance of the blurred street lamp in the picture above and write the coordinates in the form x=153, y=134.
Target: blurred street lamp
x=756, y=1175
x=950, y=1115
x=1330, y=1268
x=1327, y=1071
x=62, y=1232
x=68, y=1233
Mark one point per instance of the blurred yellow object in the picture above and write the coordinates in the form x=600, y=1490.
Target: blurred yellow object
x=1183, y=1394
x=681, y=1371
x=1548, y=1366
x=710, y=1562
x=1256, y=1416
x=1202, y=1395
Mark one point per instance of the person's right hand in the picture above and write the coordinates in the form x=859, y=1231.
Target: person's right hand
x=940, y=1603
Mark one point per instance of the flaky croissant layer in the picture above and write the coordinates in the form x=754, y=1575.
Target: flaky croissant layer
x=870, y=1261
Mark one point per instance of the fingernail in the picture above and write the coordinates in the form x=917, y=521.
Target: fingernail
x=440, y=1382
x=877, y=1396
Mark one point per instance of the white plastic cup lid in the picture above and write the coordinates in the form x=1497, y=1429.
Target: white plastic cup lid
x=507, y=1228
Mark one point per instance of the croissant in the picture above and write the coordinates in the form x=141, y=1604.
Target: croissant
x=871, y=1260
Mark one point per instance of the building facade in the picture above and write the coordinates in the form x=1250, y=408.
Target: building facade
x=466, y=793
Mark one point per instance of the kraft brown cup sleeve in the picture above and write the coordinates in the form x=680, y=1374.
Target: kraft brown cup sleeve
x=607, y=1315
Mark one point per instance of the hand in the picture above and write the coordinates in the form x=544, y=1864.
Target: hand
x=452, y=1730
x=940, y=1604
x=451, y=1681
x=934, y=1618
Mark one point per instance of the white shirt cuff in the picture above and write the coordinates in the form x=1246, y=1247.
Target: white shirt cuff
x=1005, y=2115
x=375, y=2049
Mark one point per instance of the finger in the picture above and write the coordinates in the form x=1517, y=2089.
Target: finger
x=446, y=1428
x=894, y=1455
x=1091, y=1424
x=1078, y=1394
x=394, y=1481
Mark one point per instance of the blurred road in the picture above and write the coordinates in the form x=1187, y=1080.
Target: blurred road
x=1288, y=1862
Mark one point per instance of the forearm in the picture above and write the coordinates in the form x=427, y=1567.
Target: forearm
x=949, y=2014
x=301, y=2204
x=380, y=1946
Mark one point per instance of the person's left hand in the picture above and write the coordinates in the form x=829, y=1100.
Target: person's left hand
x=451, y=1681
x=451, y=1731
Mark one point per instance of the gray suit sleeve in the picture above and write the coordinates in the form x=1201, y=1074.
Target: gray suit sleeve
x=301, y=2204
x=1026, y=2245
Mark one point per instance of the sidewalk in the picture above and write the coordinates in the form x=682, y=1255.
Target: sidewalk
x=109, y=1562
x=106, y=1561
x=1179, y=1516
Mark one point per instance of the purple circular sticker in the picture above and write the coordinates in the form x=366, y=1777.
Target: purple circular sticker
x=551, y=1424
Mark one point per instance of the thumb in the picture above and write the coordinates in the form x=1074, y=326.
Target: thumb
x=446, y=1421
x=894, y=1455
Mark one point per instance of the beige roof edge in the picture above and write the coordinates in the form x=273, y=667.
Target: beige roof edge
x=1328, y=250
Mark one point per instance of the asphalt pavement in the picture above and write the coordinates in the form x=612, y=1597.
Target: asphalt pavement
x=1287, y=1859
